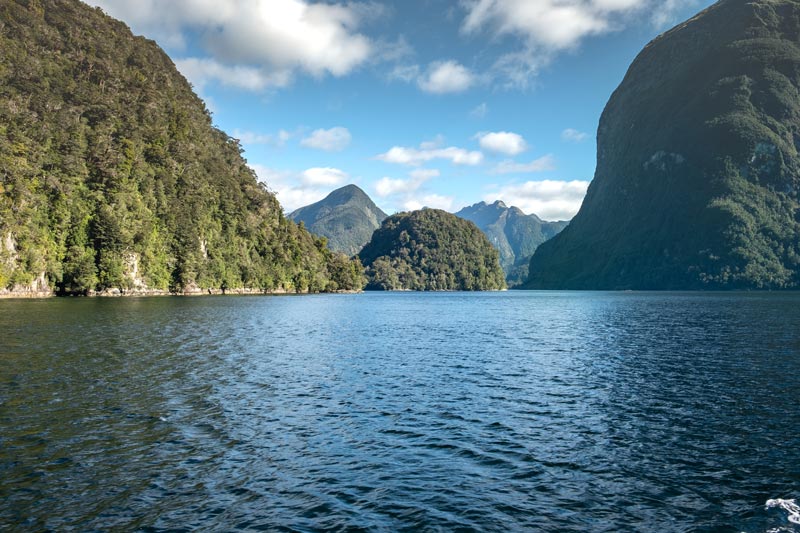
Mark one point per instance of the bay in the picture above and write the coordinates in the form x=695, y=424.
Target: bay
x=539, y=411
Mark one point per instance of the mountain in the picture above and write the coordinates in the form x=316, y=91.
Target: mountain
x=113, y=177
x=346, y=217
x=430, y=250
x=515, y=234
x=698, y=170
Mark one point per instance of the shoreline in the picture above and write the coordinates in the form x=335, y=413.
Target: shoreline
x=117, y=293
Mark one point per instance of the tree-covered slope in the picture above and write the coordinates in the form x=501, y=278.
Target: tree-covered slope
x=346, y=217
x=112, y=176
x=698, y=171
x=515, y=234
x=431, y=250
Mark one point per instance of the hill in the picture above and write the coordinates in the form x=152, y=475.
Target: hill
x=113, y=177
x=347, y=217
x=430, y=250
x=698, y=171
x=515, y=234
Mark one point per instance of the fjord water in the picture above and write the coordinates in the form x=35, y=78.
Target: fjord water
x=405, y=411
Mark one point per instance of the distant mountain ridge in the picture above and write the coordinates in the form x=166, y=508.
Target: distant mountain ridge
x=347, y=217
x=515, y=234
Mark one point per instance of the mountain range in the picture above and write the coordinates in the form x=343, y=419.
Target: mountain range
x=515, y=234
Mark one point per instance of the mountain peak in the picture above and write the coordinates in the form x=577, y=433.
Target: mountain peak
x=346, y=217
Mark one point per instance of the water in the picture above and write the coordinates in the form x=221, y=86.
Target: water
x=398, y=412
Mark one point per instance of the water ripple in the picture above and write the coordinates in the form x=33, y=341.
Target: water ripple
x=402, y=412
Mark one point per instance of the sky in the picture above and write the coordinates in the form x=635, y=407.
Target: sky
x=421, y=103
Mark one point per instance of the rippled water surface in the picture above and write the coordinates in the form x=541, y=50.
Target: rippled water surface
x=386, y=412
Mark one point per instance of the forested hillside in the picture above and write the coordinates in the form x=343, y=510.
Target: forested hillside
x=431, y=250
x=113, y=177
x=698, y=172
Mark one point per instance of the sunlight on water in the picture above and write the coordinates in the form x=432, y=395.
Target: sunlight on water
x=476, y=412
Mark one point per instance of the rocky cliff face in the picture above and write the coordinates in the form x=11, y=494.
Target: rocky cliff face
x=697, y=168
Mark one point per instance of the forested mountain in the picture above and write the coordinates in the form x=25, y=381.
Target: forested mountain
x=515, y=234
x=346, y=217
x=431, y=250
x=113, y=177
x=698, y=170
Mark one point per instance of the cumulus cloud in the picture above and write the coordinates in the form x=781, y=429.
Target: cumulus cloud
x=298, y=189
x=441, y=77
x=572, y=135
x=332, y=140
x=388, y=186
x=542, y=164
x=409, y=194
x=402, y=155
x=253, y=44
x=502, y=142
x=250, y=137
x=324, y=176
x=445, y=77
x=547, y=27
x=548, y=199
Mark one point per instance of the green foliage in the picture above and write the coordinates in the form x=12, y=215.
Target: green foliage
x=347, y=217
x=515, y=235
x=112, y=175
x=698, y=172
x=431, y=250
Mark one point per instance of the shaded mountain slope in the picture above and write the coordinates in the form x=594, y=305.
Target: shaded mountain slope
x=698, y=172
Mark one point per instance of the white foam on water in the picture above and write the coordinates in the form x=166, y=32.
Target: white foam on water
x=790, y=506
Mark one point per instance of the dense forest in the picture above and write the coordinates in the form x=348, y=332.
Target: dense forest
x=431, y=250
x=698, y=172
x=347, y=217
x=113, y=177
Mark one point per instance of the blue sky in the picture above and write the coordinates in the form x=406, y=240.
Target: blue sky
x=420, y=102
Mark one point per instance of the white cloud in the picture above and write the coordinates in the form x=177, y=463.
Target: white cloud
x=441, y=77
x=434, y=201
x=332, y=140
x=444, y=77
x=548, y=199
x=262, y=43
x=201, y=71
x=547, y=27
x=572, y=135
x=480, y=111
x=298, y=189
x=543, y=164
x=502, y=142
x=249, y=137
x=402, y=155
x=388, y=186
x=324, y=176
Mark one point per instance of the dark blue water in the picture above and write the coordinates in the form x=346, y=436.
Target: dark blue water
x=399, y=412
